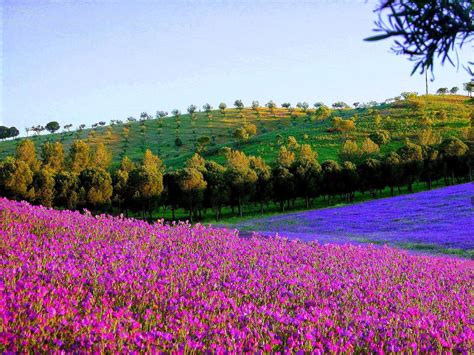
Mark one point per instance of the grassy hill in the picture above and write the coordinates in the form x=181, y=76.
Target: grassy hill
x=402, y=119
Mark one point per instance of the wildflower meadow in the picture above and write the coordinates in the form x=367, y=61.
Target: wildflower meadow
x=74, y=282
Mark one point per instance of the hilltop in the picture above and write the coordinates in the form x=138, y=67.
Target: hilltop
x=209, y=132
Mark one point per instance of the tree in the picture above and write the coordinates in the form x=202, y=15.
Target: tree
x=196, y=162
x=68, y=127
x=178, y=142
x=370, y=174
x=217, y=190
x=202, y=143
x=428, y=137
x=263, y=187
x=303, y=106
x=391, y=170
x=292, y=144
x=43, y=184
x=52, y=126
x=241, y=135
x=251, y=129
x=307, y=172
x=424, y=30
x=147, y=181
x=53, y=155
x=120, y=178
x=285, y=157
x=408, y=95
x=79, y=156
x=454, y=90
x=176, y=113
x=411, y=156
x=283, y=178
x=240, y=177
x=283, y=185
x=271, y=105
x=192, y=185
x=192, y=110
x=222, y=107
x=442, y=91
x=255, y=105
x=171, y=190
x=207, y=108
x=453, y=151
x=161, y=114
x=238, y=104
x=101, y=157
x=13, y=132
x=339, y=105
x=369, y=148
x=66, y=187
x=15, y=179
x=322, y=112
x=349, y=179
x=286, y=105
x=143, y=116
x=342, y=125
x=26, y=151
x=431, y=166
x=330, y=178
x=97, y=185
x=469, y=87
x=380, y=137
x=4, y=132
x=349, y=151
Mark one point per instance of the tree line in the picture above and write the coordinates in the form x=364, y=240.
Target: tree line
x=320, y=111
x=82, y=178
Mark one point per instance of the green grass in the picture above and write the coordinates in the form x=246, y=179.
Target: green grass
x=159, y=135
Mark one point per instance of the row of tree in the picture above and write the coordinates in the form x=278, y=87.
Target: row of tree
x=54, y=126
x=82, y=178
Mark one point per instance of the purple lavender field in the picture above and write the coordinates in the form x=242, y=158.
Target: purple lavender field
x=437, y=221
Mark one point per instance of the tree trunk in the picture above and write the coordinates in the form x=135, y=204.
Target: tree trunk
x=240, y=208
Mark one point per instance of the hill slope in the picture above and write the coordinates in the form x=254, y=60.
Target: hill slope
x=402, y=119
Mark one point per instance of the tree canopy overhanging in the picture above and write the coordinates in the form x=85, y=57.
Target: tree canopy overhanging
x=426, y=29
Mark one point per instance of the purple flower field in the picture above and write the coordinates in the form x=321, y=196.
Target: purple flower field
x=441, y=219
x=71, y=282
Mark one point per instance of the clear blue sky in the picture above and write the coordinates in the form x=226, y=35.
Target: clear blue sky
x=86, y=61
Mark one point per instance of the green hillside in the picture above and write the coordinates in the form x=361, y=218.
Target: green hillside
x=448, y=115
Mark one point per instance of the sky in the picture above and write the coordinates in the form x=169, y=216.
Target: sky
x=88, y=61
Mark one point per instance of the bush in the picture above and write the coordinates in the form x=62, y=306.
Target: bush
x=178, y=142
x=380, y=137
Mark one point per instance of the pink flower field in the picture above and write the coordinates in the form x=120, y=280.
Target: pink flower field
x=73, y=282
